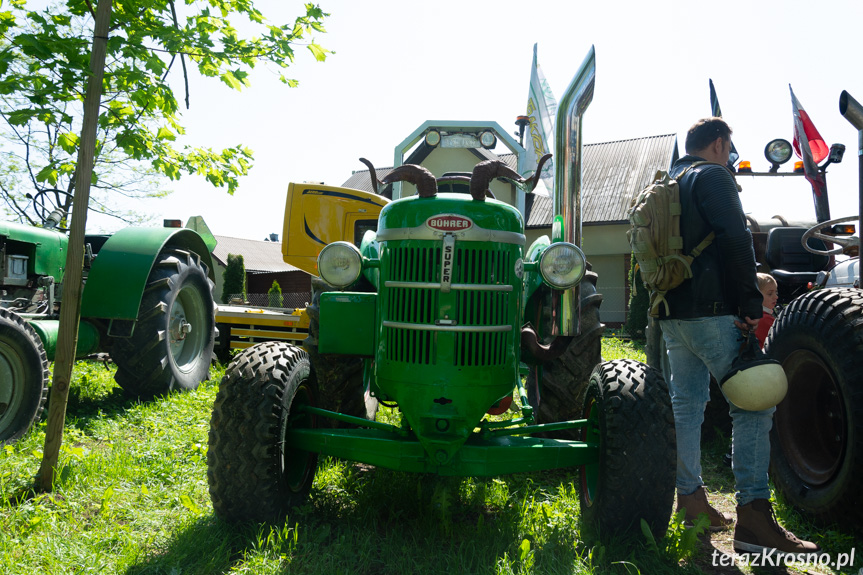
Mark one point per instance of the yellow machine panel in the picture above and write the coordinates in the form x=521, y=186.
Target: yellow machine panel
x=317, y=215
x=245, y=326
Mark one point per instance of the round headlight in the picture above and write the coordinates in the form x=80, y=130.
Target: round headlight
x=340, y=264
x=778, y=151
x=562, y=265
x=433, y=138
x=487, y=139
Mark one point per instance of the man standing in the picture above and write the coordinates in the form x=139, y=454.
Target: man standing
x=702, y=333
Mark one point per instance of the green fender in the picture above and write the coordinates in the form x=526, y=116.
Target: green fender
x=119, y=272
x=532, y=281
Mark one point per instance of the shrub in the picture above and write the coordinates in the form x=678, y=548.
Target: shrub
x=274, y=295
x=235, y=278
x=639, y=303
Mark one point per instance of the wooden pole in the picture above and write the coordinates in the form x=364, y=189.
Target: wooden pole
x=70, y=311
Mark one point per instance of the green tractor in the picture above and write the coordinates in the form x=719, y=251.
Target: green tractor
x=433, y=304
x=147, y=301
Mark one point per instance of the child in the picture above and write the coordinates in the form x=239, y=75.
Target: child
x=769, y=290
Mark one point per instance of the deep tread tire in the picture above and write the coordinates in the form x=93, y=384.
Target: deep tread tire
x=159, y=358
x=253, y=475
x=564, y=380
x=817, y=436
x=339, y=378
x=23, y=377
x=630, y=416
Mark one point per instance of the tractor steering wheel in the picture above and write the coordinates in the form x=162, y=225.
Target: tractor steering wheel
x=815, y=232
x=44, y=203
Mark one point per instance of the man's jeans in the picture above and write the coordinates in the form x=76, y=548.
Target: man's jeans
x=697, y=348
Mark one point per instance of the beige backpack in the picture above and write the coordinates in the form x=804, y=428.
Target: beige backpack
x=654, y=235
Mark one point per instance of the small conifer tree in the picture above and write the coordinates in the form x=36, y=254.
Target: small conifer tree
x=235, y=278
x=274, y=296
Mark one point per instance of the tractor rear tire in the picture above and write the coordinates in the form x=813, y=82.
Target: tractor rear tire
x=560, y=394
x=172, y=344
x=23, y=377
x=817, y=438
x=252, y=472
x=630, y=419
x=339, y=377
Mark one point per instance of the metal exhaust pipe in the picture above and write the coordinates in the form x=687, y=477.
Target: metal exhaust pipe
x=566, y=225
x=852, y=111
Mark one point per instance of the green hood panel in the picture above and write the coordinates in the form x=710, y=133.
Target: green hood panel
x=46, y=249
x=431, y=215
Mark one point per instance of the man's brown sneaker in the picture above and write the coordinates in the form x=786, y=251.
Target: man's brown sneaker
x=757, y=531
x=696, y=503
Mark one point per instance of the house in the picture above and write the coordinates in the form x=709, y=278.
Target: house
x=264, y=264
x=612, y=174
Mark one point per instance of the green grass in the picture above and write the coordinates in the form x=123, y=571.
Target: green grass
x=131, y=497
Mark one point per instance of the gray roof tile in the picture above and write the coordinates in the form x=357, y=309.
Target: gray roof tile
x=258, y=256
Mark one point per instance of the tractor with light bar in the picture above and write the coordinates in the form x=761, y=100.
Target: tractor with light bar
x=147, y=301
x=434, y=305
x=817, y=437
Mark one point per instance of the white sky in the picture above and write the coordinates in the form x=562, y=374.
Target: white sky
x=398, y=64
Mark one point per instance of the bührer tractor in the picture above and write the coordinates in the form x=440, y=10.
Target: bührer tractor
x=434, y=303
x=147, y=301
x=817, y=437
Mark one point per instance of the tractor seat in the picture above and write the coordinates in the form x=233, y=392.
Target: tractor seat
x=789, y=261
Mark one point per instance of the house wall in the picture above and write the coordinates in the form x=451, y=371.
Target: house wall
x=289, y=282
x=219, y=272
x=260, y=283
x=607, y=251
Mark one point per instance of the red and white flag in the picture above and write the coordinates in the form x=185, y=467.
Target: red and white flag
x=808, y=143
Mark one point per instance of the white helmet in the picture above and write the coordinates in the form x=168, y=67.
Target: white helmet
x=755, y=382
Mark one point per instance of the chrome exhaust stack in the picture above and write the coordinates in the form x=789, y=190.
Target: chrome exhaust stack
x=566, y=225
x=852, y=111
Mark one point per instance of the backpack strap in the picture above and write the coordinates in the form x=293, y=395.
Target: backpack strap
x=696, y=251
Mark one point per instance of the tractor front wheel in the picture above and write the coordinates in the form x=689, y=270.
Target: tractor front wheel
x=172, y=344
x=339, y=377
x=253, y=473
x=816, y=456
x=631, y=422
x=560, y=392
x=23, y=376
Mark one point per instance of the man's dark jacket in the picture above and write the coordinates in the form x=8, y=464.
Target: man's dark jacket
x=723, y=277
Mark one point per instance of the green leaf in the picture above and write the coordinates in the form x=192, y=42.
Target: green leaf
x=523, y=550
x=69, y=142
x=33, y=46
x=648, y=536
x=165, y=134
x=107, y=496
x=231, y=80
x=21, y=117
x=319, y=53
x=189, y=504
x=47, y=174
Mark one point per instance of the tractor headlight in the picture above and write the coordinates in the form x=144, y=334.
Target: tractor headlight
x=340, y=264
x=488, y=139
x=778, y=151
x=562, y=265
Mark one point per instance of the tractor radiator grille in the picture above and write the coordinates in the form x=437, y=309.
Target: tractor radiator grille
x=476, y=298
